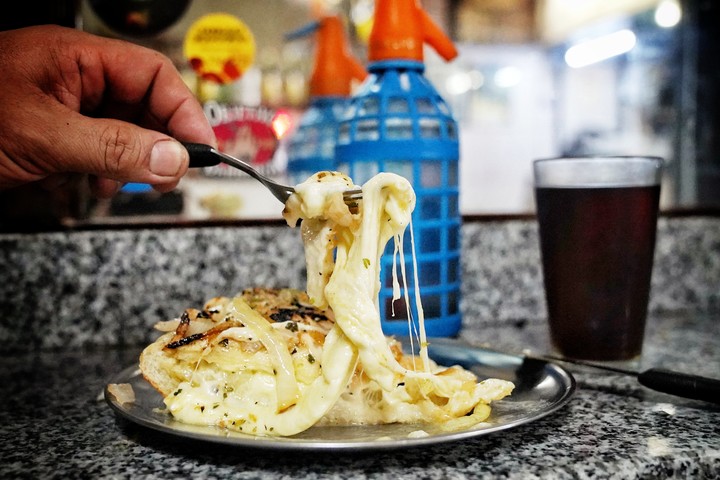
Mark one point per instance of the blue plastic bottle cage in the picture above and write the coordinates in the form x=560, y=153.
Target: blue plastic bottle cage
x=397, y=122
x=312, y=146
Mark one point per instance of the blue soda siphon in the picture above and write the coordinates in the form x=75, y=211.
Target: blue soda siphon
x=397, y=122
x=311, y=147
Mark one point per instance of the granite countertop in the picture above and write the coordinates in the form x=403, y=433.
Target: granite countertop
x=53, y=425
x=78, y=307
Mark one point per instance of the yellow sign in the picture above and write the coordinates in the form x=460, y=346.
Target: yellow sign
x=219, y=47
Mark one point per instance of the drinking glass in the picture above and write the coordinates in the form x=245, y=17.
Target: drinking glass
x=597, y=220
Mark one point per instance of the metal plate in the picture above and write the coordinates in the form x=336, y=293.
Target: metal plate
x=540, y=389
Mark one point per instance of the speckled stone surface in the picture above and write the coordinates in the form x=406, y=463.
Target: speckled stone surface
x=503, y=279
x=77, y=306
x=91, y=288
x=52, y=425
x=109, y=287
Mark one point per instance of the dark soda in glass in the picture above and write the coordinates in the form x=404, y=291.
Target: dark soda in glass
x=597, y=247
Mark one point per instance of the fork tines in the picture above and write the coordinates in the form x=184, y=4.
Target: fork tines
x=352, y=199
x=352, y=195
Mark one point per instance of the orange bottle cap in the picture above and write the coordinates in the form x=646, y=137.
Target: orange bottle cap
x=335, y=68
x=401, y=28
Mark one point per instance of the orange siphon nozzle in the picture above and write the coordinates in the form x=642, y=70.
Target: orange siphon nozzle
x=400, y=29
x=335, y=68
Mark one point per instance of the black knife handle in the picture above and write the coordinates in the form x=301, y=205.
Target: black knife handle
x=201, y=155
x=681, y=384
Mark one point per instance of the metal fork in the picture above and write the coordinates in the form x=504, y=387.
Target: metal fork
x=202, y=155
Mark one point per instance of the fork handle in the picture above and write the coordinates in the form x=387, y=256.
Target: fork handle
x=201, y=155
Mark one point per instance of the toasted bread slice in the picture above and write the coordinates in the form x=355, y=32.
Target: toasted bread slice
x=159, y=362
x=265, y=362
x=269, y=363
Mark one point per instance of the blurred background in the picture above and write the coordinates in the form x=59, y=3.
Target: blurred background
x=534, y=78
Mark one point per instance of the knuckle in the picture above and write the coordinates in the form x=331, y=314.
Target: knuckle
x=120, y=152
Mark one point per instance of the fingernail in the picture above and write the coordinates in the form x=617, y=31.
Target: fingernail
x=166, y=158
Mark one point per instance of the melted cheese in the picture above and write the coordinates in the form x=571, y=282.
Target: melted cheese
x=393, y=392
x=258, y=377
x=261, y=391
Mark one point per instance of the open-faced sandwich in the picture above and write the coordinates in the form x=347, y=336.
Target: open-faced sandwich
x=278, y=361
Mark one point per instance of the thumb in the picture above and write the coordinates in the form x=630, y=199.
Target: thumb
x=121, y=151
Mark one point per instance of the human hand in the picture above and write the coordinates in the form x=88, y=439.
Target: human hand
x=75, y=103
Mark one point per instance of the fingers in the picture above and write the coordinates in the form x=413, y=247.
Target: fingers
x=169, y=106
x=153, y=82
x=104, y=187
x=92, y=105
x=122, y=152
x=57, y=181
